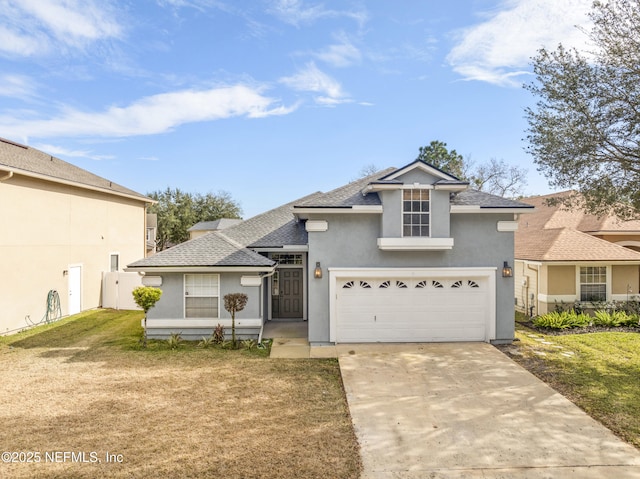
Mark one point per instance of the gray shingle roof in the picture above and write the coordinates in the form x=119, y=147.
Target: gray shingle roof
x=276, y=227
x=211, y=249
x=219, y=224
x=347, y=195
x=485, y=200
x=27, y=160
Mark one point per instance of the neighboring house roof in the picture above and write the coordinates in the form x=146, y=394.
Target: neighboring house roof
x=219, y=224
x=553, y=233
x=565, y=244
x=485, y=200
x=27, y=161
x=558, y=216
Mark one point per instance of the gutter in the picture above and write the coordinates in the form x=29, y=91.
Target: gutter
x=7, y=176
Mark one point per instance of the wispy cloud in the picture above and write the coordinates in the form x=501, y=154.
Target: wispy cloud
x=150, y=115
x=341, y=54
x=60, y=151
x=499, y=49
x=17, y=86
x=36, y=27
x=311, y=79
x=298, y=12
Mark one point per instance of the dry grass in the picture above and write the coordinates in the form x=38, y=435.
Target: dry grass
x=186, y=413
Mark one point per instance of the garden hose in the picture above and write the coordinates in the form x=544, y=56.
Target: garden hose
x=54, y=311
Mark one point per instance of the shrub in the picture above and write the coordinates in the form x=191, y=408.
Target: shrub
x=174, y=340
x=562, y=320
x=206, y=341
x=218, y=334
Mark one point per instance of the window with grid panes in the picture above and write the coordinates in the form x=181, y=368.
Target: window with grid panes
x=593, y=283
x=201, y=295
x=415, y=212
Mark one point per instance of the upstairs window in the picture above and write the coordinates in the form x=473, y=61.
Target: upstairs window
x=415, y=212
x=114, y=262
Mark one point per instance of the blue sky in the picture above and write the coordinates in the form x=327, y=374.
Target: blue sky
x=270, y=100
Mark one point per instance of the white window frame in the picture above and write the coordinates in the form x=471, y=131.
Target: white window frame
x=427, y=213
x=111, y=255
x=607, y=282
x=185, y=295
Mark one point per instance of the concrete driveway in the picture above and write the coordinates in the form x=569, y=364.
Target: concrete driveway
x=467, y=411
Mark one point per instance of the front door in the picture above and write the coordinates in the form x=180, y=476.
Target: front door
x=287, y=294
x=75, y=289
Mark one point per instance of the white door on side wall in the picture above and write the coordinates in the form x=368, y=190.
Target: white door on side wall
x=75, y=289
x=419, y=308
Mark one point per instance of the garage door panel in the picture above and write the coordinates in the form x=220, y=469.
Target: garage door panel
x=399, y=309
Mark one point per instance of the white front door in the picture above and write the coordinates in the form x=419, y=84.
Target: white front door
x=75, y=289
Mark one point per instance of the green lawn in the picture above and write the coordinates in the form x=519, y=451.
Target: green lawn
x=84, y=384
x=600, y=372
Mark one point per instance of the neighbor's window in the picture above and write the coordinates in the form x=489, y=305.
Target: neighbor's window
x=415, y=213
x=593, y=283
x=201, y=295
x=114, y=260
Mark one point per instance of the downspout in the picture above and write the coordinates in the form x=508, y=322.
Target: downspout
x=261, y=300
x=7, y=176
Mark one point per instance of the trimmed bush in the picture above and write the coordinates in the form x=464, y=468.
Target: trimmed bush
x=562, y=320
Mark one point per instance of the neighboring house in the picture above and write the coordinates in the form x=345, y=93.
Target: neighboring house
x=152, y=233
x=566, y=256
x=62, y=227
x=405, y=255
x=204, y=227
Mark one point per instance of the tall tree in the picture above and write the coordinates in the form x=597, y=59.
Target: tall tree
x=495, y=176
x=584, y=133
x=178, y=211
x=437, y=154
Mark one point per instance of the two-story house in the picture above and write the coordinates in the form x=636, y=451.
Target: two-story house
x=408, y=254
x=62, y=228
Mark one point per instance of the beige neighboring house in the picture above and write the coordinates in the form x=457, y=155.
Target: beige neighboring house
x=204, y=227
x=62, y=228
x=565, y=256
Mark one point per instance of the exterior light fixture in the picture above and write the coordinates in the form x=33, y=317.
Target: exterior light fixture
x=317, y=273
x=507, y=271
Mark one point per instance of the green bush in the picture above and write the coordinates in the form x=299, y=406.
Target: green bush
x=562, y=320
x=614, y=319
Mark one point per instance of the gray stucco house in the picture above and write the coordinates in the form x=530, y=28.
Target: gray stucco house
x=408, y=254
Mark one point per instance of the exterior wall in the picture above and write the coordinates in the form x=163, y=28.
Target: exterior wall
x=561, y=280
x=625, y=280
x=197, y=233
x=48, y=227
x=171, y=304
x=350, y=241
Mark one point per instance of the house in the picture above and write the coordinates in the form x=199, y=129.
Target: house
x=564, y=256
x=204, y=227
x=62, y=227
x=408, y=254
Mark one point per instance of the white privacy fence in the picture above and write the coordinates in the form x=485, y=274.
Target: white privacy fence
x=117, y=288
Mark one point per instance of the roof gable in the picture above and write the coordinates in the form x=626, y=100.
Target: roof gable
x=423, y=167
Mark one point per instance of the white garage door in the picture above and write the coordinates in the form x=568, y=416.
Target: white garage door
x=420, y=308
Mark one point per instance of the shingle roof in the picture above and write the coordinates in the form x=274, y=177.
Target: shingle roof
x=273, y=228
x=565, y=244
x=29, y=161
x=347, y=195
x=219, y=224
x=485, y=200
x=211, y=249
x=553, y=233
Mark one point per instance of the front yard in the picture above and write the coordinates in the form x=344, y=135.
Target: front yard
x=80, y=392
x=600, y=372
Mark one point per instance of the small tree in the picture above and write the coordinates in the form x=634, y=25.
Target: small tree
x=146, y=297
x=234, y=302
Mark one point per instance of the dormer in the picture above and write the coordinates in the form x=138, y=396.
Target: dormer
x=416, y=209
